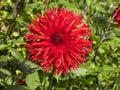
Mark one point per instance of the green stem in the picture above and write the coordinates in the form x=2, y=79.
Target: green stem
x=69, y=87
x=103, y=37
x=108, y=26
x=51, y=81
x=11, y=24
x=85, y=8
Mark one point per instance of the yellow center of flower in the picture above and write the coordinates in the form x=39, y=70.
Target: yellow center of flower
x=56, y=39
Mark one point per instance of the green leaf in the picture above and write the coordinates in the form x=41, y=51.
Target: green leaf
x=3, y=46
x=1, y=35
x=96, y=39
x=71, y=6
x=5, y=75
x=79, y=71
x=3, y=60
x=32, y=65
x=32, y=80
x=21, y=21
x=24, y=66
x=117, y=39
x=60, y=88
x=30, y=7
x=108, y=68
x=51, y=5
x=17, y=87
x=101, y=50
x=16, y=54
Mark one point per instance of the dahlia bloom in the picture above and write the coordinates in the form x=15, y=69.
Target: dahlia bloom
x=58, y=39
x=116, y=15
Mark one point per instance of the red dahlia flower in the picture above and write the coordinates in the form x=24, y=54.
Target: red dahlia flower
x=58, y=39
x=116, y=15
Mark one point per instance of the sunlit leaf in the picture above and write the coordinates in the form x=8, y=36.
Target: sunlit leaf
x=5, y=75
x=32, y=80
x=79, y=71
x=3, y=46
x=16, y=54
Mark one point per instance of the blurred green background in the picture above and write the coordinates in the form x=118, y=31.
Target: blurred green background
x=102, y=68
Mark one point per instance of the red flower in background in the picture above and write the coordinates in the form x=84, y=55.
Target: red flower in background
x=58, y=39
x=21, y=81
x=116, y=15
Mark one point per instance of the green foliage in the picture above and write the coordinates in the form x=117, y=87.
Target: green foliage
x=32, y=80
x=17, y=87
x=5, y=77
x=101, y=71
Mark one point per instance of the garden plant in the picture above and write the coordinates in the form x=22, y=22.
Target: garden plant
x=59, y=45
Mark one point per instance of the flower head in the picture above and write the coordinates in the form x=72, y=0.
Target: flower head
x=58, y=39
x=116, y=15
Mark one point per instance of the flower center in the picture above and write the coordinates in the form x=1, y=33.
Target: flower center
x=56, y=39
